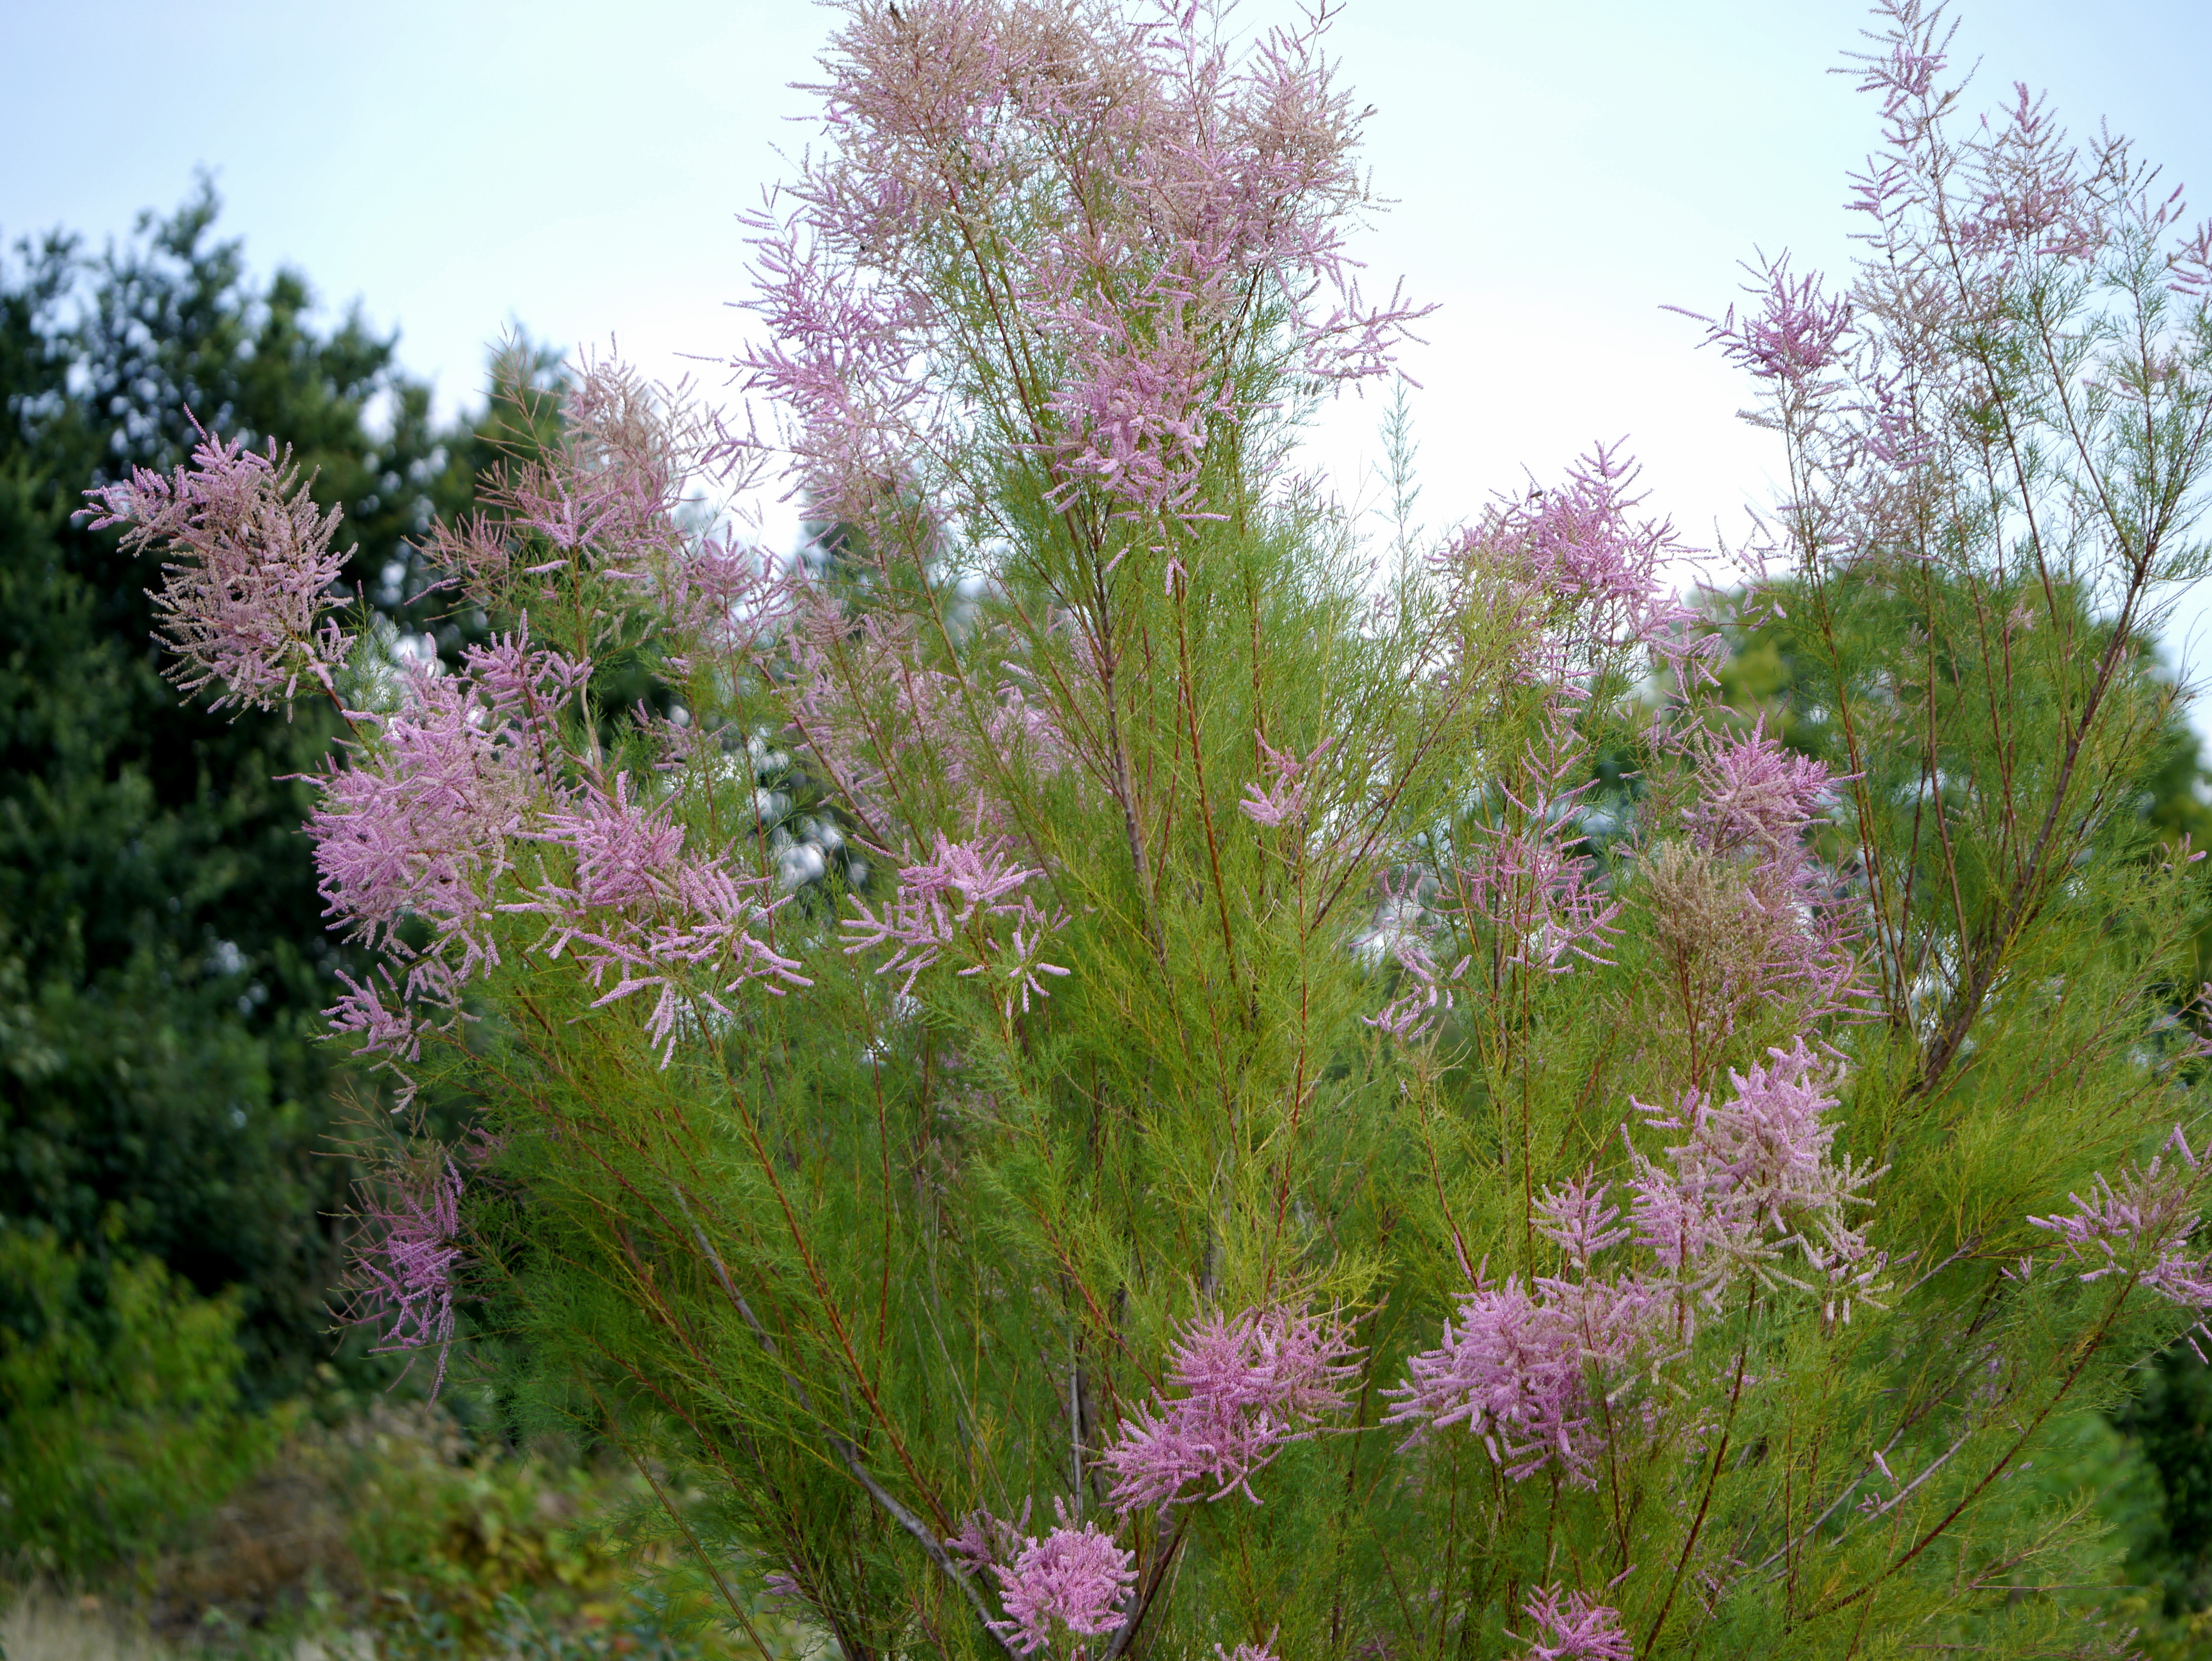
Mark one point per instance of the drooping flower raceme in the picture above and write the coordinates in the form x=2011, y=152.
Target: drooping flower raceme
x=1248, y=1386
x=251, y=574
x=406, y=1265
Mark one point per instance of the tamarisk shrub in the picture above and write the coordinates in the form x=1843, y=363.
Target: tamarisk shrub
x=1217, y=1097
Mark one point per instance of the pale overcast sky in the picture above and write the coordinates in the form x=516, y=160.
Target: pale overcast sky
x=1562, y=171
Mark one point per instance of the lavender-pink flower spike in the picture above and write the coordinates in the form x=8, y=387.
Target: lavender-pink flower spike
x=1756, y=799
x=642, y=911
x=1138, y=275
x=1073, y=1577
x=1753, y=1179
x=984, y=1539
x=1514, y=1373
x=1794, y=338
x=390, y=1031
x=1754, y=793
x=421, y=823
x=250, y=572
x=1414, y=1015
x=1581, y=573
x=1577, y=1219
x=1136, y=414
x=1538, y=900
x=1575, y=1628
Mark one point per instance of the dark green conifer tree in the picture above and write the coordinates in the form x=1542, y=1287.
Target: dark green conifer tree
x=163, y=958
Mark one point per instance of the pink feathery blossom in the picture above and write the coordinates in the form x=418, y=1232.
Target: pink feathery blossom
x=1576, y=1218
x=1789, y=932
x=984, y=1540
x=573, y=510
x=1072, y=1578
x=1754, y=1178
x=719, y=596
x=1754, y=793
x=1160, y=183
x=1526, y=893
x=1516, y=1372
x=1575, y=1628
x=636, y=907
x=418, y=823
x=1283, y=801
x=524, y=688
x=606, y=496
x=1247, y=1387
x=2145, y=1225
x=250, y=572
x=422, y=821
x=1580, y=573
x=2191, y=264
x=1794, y=335
x=1414, y=1016
x=1136, y=413
x=864, y=702
x=390, y=1031
x=966, y=903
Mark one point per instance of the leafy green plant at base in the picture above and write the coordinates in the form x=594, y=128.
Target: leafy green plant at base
x=395, y=1525
x=119, y=1417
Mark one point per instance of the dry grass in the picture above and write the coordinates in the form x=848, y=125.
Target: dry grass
x=37, y=1625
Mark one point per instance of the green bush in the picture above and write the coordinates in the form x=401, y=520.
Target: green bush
x=121, y=1423
x=394, y=1525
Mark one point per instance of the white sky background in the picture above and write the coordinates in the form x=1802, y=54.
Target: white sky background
x=1561, y=172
